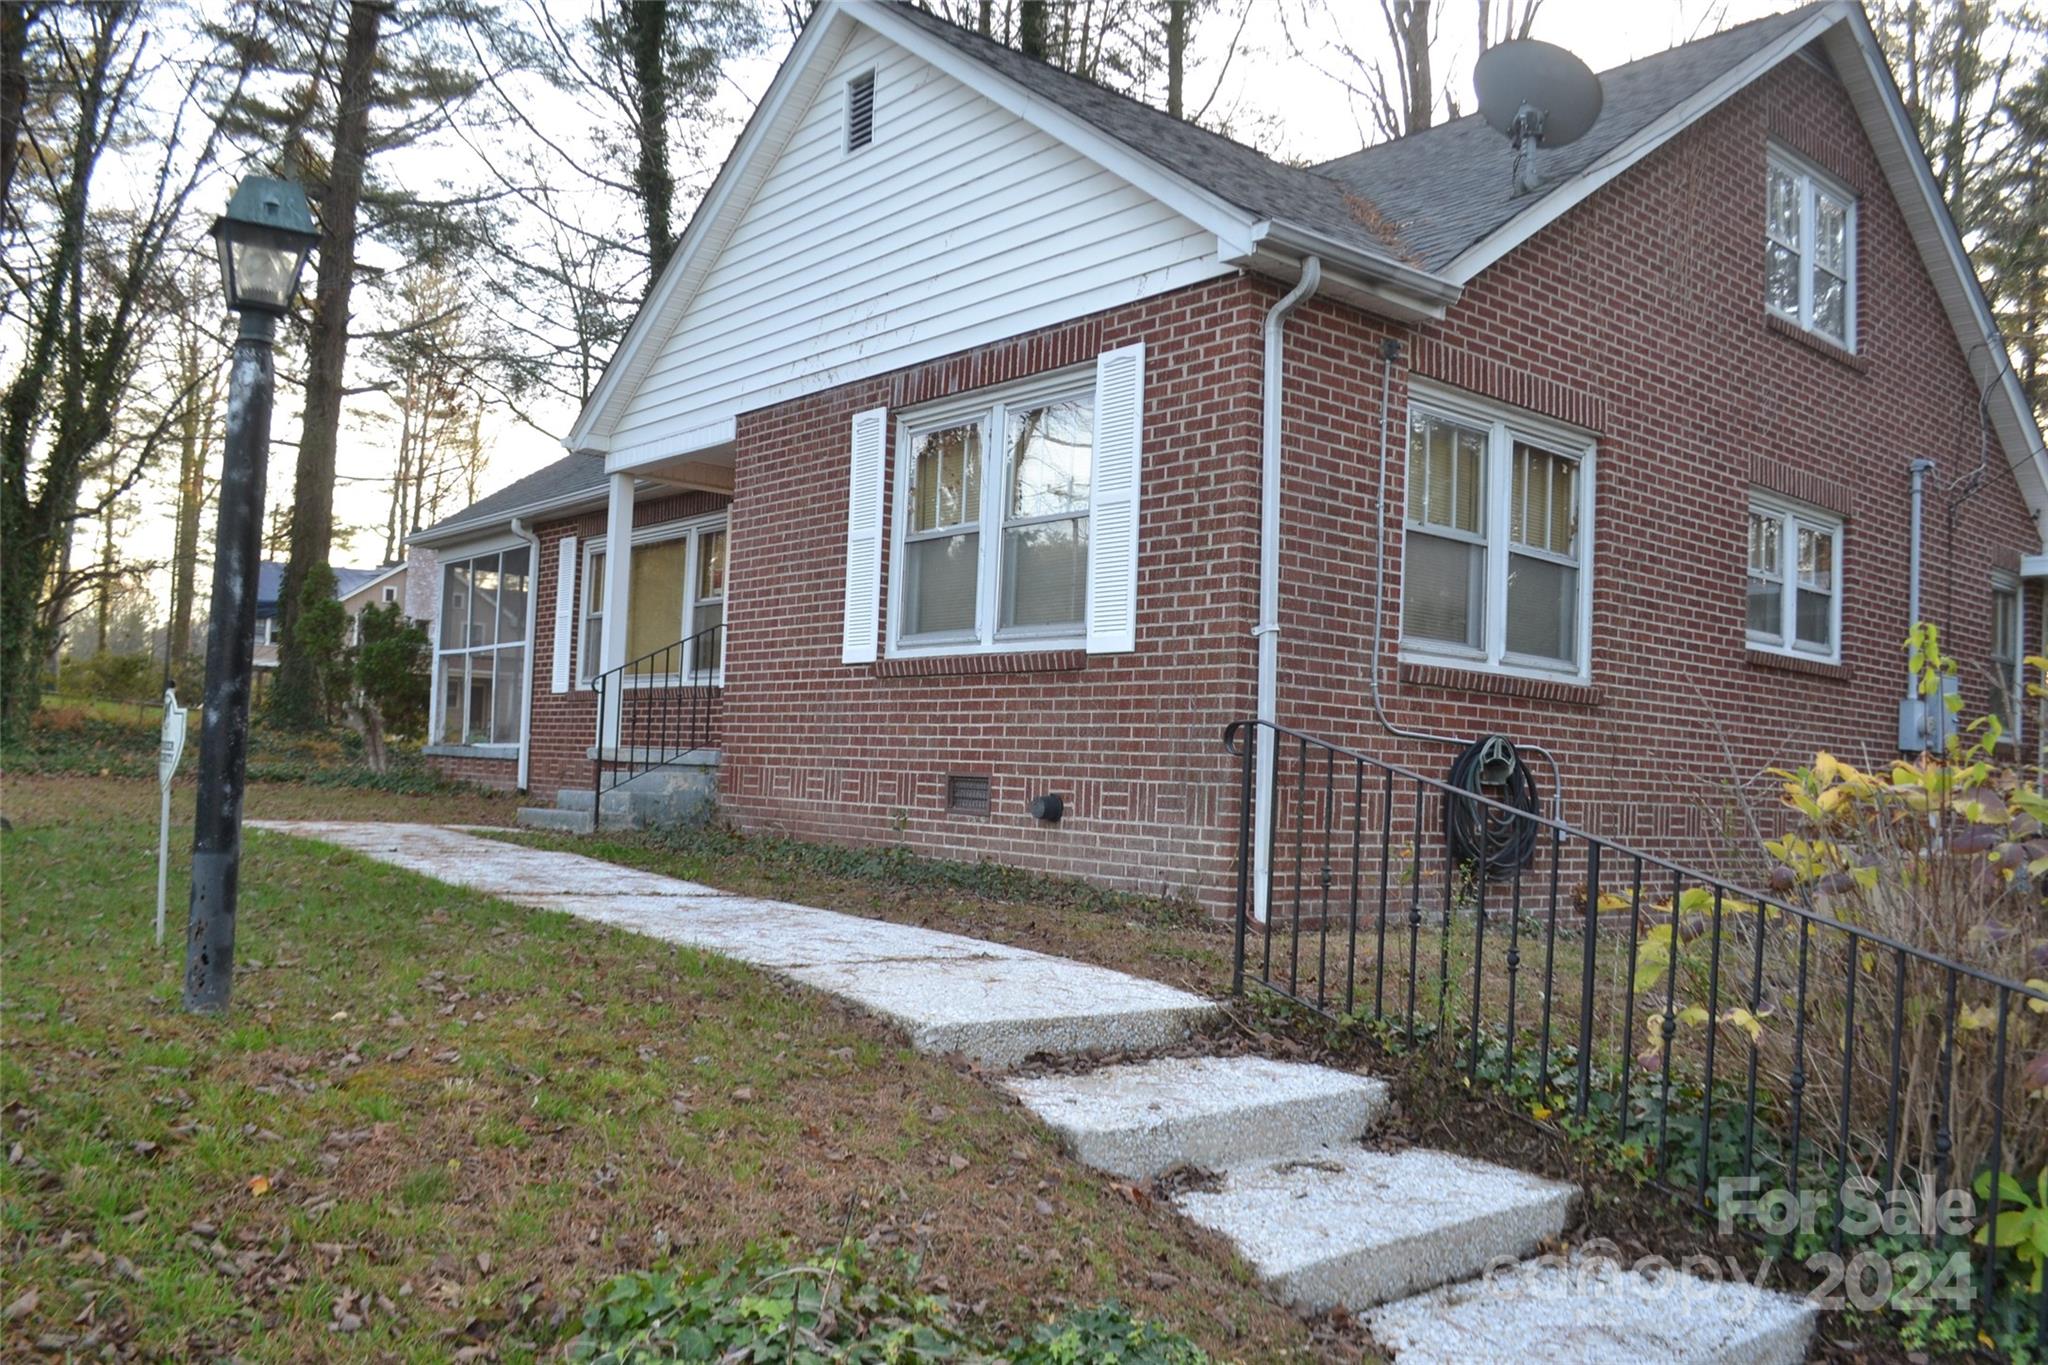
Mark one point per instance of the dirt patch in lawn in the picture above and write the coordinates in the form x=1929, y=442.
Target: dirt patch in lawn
x=433, y=1121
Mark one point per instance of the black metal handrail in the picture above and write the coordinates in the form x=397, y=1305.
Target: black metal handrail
x=655, y=711
x=1355, y=855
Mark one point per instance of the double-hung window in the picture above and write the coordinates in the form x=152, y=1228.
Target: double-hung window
x=2005, y=653
x=1495, y=567
x=1795, y=579
x=1810, y=250
x=480, y=657
x=993, y=516
x=676, y=594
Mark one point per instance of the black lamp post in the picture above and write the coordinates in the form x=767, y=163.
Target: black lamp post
x=263, y=238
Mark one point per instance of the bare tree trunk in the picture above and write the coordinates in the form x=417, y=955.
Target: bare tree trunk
x=103, y=590
x=646, y=25
x=1176, y=56
x=1032, y=29
x=14, y=21
x=1408, y=25
x=294, y=693
x=195, y=439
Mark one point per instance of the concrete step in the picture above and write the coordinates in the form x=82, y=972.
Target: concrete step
x=1139, y=1120
x=1590, y=1311
x=1000, y=1011
x=571, y=821
x=1359, y=1228
x=658, y=797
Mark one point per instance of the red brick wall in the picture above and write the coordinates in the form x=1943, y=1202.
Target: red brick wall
x=1640, y=316
x=499, y=774
x=823, y=750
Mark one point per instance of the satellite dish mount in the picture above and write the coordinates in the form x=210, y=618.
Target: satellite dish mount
x=1538, y=95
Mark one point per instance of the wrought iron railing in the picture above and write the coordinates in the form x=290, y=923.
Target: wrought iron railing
x=1715, y=1034
x=656, y=710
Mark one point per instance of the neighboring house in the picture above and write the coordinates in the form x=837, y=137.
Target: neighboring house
x=959, y=399
x=357, y=588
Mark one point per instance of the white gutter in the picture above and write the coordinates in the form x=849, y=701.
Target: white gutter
x=1268, y=628
x=524, y=530
x=1433, y=291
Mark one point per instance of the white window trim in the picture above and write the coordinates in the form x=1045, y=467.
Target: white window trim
x=2006, y=583
x=982, y=404
x=437, y=675
x=1792, y=514
x=1810, y=178
x=588, y=643
x=1504, y=426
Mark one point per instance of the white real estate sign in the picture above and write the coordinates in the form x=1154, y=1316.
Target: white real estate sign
x=170, y=748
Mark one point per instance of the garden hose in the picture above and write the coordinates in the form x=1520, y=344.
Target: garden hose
x=1493, y=841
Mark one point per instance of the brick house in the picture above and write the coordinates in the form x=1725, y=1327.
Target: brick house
x=1016, y=437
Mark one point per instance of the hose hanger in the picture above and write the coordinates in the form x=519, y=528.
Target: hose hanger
x=1491, y=841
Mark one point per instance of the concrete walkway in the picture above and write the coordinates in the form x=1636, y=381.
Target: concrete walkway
x=1432, y=1247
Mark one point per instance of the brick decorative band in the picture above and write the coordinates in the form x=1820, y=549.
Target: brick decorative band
x=1789, y=663
x=1776, y=476
x=1434, y=358
x=977, y=665
x=1792, y=331
x=1500, y=684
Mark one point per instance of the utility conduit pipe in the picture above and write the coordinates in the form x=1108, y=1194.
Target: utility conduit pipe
x=1390, y=355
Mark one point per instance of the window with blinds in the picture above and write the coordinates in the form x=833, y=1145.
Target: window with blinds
x=1494, y=554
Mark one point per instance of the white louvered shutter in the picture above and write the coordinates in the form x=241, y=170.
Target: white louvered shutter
x=1113, y=513
x=864, y=537
x=565, y=615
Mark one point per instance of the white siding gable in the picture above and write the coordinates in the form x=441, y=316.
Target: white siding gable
x=958, y=226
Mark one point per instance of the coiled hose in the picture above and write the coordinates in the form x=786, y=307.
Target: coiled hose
x=1492, y=841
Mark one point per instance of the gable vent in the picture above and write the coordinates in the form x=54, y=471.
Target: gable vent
x=860, y=111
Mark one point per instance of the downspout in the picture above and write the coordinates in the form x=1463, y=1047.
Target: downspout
x=524, y=530
x=1268, y=628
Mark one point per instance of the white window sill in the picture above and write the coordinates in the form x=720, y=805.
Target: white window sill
x=1029, y=644
x=1784, y=651
x=1507, y=668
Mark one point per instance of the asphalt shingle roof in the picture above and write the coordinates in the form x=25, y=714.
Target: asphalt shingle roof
x=565, y=480
x=270, y=583
x=1420, y=200
x=1229, y=170
x=1448, y=187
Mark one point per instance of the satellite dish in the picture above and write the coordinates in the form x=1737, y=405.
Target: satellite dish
x=1539, y=95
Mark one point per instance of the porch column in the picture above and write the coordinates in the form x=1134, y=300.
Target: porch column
x=618, y=579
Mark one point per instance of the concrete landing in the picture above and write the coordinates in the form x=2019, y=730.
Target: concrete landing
x=1359, y=1228
x=1139, y=1120
x=996, y=1005
x=1593, y=1312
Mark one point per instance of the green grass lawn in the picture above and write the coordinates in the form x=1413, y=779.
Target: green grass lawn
x=434, y=1122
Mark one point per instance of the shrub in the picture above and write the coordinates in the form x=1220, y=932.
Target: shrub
x=389, y=668
x=116, y=677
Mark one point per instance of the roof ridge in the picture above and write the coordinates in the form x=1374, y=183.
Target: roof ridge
x=908, y=6
x=1602, y=74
